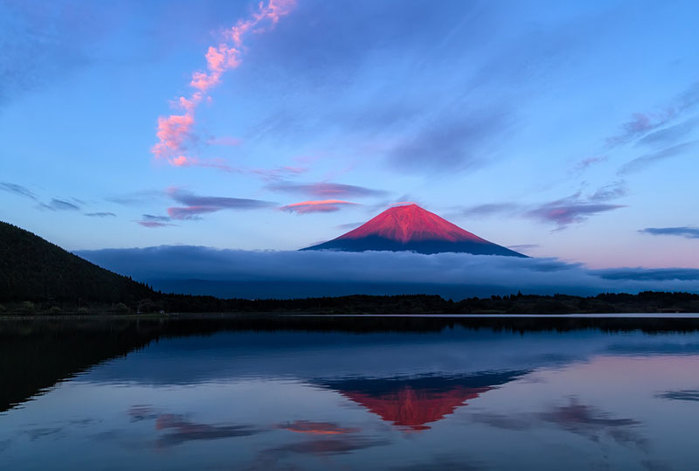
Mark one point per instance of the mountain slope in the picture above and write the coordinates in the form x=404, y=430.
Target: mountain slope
x=412, y=228
x=32, y=269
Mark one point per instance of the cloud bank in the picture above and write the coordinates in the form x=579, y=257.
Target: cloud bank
x=284, y=274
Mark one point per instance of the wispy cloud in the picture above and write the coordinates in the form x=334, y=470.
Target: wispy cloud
x=60, y=205
x=137, y=198
x=682, y=231
x=588, y=162
x=175, y=132
x=326, y=189
x=320, y=206
x=313, y=273
x=643, y=161
x=492, y=209
x=609, y=192
x=195, y=205
x=568, y=211
x=639, y=125
x=691, y=395
x=670, y=134
x=224, y=141
x=154, y=224
x=450, y=143
x=278, y=173
x=17, y=190
x=649, y=127
x=152, y=221
x=100, y=214
x=572, y=209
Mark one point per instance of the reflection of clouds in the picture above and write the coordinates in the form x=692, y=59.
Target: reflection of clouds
x=142, y=412
x=317, y=428
x=329, y=446
x=574, y=417
x=681, y=395
x=178, y=429
x=593, y=423
x=652, y=465
x=442, y=464
x=502, y=421
x=37, y=433
x=181, y=430
x=5, y=444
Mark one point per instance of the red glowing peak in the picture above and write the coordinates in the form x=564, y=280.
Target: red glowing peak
x=411, y=223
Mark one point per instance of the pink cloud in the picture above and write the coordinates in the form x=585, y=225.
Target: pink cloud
x=175, y=131
x=320, y=206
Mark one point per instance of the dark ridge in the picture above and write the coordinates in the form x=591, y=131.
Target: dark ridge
x=33, y=269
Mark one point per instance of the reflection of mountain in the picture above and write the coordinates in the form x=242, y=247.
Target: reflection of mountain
x=416, y=402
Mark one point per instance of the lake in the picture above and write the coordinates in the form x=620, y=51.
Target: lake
x=352, y=393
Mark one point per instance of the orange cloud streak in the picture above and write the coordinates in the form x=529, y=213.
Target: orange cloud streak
x=175, y=131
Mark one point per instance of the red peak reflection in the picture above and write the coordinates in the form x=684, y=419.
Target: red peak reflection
x=414, y=408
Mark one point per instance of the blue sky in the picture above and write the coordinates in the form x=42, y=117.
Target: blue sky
x=562, y=129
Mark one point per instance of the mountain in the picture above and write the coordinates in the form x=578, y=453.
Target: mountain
x=412, y=228
x=32, y=269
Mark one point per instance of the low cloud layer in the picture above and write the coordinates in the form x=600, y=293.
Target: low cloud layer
x=269, y=274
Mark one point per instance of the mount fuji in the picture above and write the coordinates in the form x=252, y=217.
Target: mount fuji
x=412, y=228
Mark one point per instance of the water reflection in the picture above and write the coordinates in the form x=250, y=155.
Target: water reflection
x=176, y=429
x=445, y=399
x=415, y=402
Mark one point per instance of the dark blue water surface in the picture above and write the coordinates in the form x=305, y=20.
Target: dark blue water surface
x=447, y=397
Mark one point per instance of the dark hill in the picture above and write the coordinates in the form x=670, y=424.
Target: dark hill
x=36, y=270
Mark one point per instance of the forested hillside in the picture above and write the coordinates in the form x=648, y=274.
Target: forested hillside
x=33, y=269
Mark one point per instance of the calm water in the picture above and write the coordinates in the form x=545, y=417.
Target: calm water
x=446, y=397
